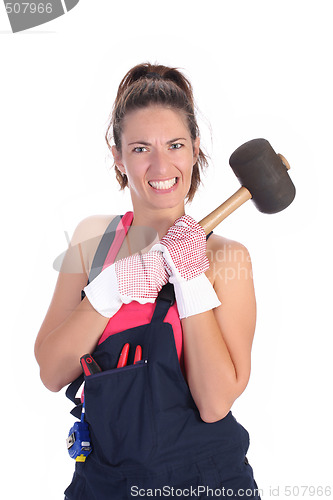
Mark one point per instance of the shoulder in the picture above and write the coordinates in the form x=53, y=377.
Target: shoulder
x=87, y=236
x=91, y=227
x=229, y=260
x=224, y=250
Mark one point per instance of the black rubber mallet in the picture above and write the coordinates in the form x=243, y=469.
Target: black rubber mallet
x=264, y=177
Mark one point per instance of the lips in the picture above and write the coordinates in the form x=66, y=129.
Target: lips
x=162, y=185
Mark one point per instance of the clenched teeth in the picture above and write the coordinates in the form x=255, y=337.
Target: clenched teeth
x=163, y=184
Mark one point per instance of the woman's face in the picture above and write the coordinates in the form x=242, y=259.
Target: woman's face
x=157, y=156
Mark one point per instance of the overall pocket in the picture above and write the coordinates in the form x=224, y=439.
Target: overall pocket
x=119, y=414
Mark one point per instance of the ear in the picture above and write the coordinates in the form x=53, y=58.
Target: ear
x=117, y=159
x=196, y=148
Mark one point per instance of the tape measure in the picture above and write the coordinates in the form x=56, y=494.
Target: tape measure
x=78, y=441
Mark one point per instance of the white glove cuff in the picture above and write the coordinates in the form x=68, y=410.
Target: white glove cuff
x=194, y=296
x=103, y=293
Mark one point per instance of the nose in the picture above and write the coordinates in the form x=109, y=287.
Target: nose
x=160, y=163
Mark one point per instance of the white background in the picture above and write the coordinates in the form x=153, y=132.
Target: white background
x=259, y=69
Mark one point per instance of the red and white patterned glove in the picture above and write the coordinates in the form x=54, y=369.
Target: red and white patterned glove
x=184, y=251
x=139, y=277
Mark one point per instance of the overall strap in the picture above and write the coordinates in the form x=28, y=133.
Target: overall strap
x=165, y=299
x=109, y=245
x=73, y=388
x=103, y=248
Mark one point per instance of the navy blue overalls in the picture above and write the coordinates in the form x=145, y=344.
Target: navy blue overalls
x=146, y=432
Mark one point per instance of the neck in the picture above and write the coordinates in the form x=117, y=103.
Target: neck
x=158, y=220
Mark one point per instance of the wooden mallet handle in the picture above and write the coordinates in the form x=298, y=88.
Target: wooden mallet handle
x=220, y=213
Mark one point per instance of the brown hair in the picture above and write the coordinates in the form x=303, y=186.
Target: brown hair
x=147, y=84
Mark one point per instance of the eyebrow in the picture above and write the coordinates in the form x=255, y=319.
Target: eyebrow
x=149, y=144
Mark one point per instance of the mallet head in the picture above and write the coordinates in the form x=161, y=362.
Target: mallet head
x=260, y=170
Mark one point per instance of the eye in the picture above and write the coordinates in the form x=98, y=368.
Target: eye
x=139, y=149
x=176, y=145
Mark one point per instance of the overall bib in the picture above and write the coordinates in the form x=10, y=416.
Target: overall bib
x=147, y=436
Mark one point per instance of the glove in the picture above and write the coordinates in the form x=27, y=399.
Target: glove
x=184, y=251
x=139, y=277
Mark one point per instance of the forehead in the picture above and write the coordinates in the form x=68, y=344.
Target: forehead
x=155, y=120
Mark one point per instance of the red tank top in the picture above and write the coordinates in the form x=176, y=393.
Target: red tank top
x=135, y=314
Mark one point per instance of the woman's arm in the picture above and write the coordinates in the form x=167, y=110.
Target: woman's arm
x=217, y=343
x=58, y=351
x=71, y=328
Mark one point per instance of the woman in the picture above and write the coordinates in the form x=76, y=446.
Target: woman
x=163, y=425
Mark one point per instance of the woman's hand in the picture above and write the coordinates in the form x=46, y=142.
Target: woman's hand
x=184, y=251
x=139, y=277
